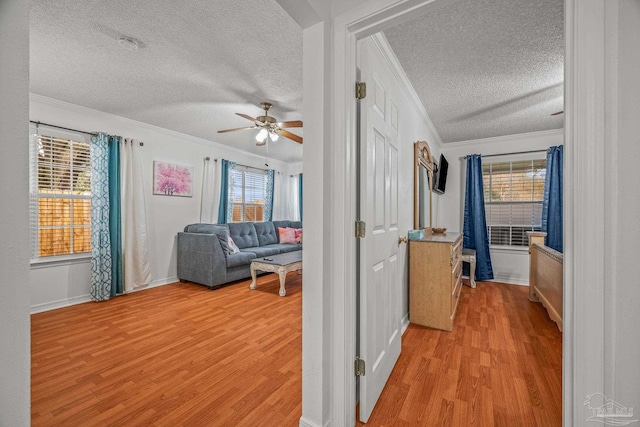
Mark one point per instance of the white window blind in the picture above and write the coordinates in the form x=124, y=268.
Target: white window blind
x=513, y=194
x=249, y=194
x=60, y=181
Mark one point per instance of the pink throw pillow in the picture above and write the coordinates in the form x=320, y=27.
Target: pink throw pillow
x=298, y=234
x=287, y=235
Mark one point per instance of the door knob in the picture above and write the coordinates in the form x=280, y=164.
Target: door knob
x=402, y=240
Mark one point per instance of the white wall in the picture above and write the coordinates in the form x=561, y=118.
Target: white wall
x=61, y=285
x=14, y=215
x=626, y=222
x=509, y=266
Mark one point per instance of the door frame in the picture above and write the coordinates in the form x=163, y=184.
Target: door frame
x=344, y=33
x=587, y=313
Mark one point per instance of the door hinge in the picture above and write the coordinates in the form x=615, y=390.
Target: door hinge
x=359, y=367
x=361, y=90
x=361, y=229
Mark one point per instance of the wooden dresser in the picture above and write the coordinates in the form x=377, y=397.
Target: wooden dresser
x=435, y=283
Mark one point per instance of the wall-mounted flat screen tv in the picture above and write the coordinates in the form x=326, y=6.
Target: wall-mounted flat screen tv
x=440, y=178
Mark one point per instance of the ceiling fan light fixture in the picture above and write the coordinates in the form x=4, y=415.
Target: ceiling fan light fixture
x=262, y=135
x=274, y=136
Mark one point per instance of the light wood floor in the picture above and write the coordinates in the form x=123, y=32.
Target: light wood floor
x=185, y=355
x=175, y=355
x=501, y=366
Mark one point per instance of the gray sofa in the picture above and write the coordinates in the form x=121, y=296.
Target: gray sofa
x=203, y=252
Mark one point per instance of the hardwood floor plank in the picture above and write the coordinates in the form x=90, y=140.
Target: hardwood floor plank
x=184, y=355
x=180, y=354
x=500, y=366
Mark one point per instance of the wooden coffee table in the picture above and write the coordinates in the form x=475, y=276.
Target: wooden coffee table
x=281, y=264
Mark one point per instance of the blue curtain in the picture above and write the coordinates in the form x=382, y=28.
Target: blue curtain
x=225, y=211
x=224, y=192
x=100, y=238
x=552, y=199
x=115, y=216
x=268, y=203
x=475, y=223
x=300, y=195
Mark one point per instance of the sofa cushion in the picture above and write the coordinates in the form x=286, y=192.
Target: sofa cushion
x=262, y=251
x=295, y=224
x=207, y=228
x=241, y=258
x=266, y=233
x=233, y=248
x=243, y=234
x=287, y=235
x=281, y=224
x=285, y=247
x=221, y=231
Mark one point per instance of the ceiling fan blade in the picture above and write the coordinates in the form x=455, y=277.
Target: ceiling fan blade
x=290, y=135
x=291, y=124
x=557, y=112
x=233, y=130
x=248, y=118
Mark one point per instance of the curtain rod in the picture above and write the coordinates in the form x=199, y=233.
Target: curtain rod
x=252, y=167
x=509, y=154
x=64, y=128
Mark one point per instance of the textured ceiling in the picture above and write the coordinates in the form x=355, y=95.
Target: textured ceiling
x=486, y=68
x=481, y=67
x=199, y=62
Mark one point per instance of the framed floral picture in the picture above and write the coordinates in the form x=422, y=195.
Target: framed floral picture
x=172, y=180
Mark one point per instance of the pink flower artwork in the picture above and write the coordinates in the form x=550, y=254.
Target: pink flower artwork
x=172, y=180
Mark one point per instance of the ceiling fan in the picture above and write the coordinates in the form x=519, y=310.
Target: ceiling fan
x=269, y=127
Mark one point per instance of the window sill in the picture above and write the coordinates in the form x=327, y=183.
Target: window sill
x=53, y=261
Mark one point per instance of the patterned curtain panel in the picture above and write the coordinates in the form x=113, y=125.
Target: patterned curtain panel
x=552, y=199
x=100, y=239
x=268, y=203
x=33, y=192
x=475, y=222
x=225, y=209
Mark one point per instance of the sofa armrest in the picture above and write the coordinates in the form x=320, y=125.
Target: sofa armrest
x=201, y=259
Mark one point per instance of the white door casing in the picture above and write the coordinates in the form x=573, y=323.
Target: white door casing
x=380, y=269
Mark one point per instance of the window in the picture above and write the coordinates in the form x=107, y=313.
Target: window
x=249, y=194
x=513, y=194
x=60, y=196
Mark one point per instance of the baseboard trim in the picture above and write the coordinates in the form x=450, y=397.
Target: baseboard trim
x=53, y=305
x=156, y=283
x=510, y=280
x=306, y=423
x=405, y=323
x=81, y=299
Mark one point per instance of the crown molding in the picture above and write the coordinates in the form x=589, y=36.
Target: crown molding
x=34, y=97
x=518, y=137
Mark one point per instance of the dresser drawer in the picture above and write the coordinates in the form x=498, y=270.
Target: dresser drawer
x=456, y=252
x=435, y=270
x=455, y=296
x=456, y=275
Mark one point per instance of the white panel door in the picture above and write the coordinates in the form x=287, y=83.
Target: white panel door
x=380, y=272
